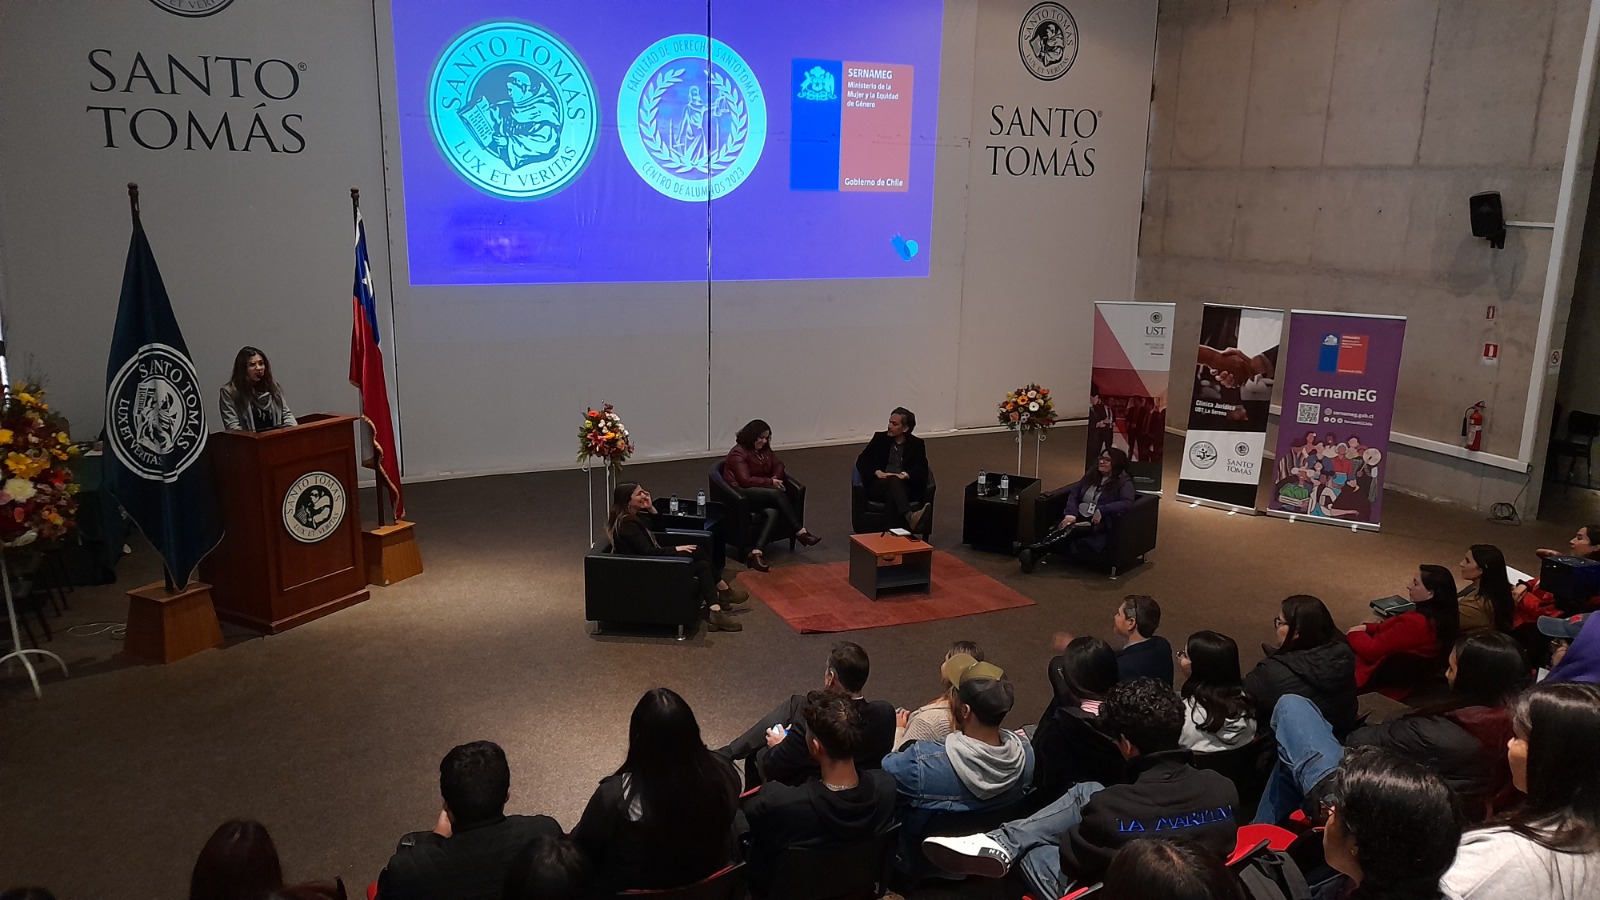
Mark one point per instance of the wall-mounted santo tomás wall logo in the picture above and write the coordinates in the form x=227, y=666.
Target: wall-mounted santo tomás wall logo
x=692, y=117
x=155, y=417
x=313, y=507
x=1048, y=41
x=194, y=9
x=514, y=110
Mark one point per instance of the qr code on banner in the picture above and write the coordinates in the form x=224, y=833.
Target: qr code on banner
x=1308, y=414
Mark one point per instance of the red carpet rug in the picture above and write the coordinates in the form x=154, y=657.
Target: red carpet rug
x=819, y=599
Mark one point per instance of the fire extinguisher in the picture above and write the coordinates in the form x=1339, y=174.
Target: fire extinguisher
x=1472, y=426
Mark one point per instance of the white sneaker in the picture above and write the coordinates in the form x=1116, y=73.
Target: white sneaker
x=972, y=854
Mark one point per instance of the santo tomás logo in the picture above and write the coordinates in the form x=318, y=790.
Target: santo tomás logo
x=692, y=117
x=1047, y=41
x=514, y=110
x=155, y=417
x=313, y=507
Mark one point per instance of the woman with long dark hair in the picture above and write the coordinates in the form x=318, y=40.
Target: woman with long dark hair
x=665, y=818
x=1104, y=492
x=252, y=399
x=759, y=474
x=1068, y=747
x=1549, y=847
x=1217, y=714
x=1427, y=631
x=1392, y=827
x=1486, y=601
x=629, y=530
x=238, y=862
x=1169, y=869
x=1533, y=601
x=1313, y=660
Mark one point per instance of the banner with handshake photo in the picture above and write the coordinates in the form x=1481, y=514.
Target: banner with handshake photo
x=1235, y=369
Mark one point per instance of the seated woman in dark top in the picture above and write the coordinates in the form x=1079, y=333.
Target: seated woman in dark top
x=1313, y=660
x=665, y=819
x=1068, y=747
x=628, y=529
x=1486, y=601
x=1102, y=493
x=756, y=471
x=1426, y=632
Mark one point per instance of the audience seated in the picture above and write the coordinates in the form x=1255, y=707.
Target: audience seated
x=1072, y=841
x=1428, y=631
x=1068, y=745
x=550, y=868
x=1143, y=655
x=1392, y=828
x=238, y=862
x=1486, y=601
x=844, y=806
x=1549, y=847
x=781, y=755
x=1313, y=660
x=1168, y=869
x=931, y=721
x=1533, y=601
x=1578, y=655
x=466, y=856
x=978, y=766
x=1216, y=714
x=665, y=819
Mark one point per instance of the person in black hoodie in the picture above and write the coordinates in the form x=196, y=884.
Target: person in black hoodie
x=1068, y=745
x=1313, y=660
x=1072, y=841
x=844, y=806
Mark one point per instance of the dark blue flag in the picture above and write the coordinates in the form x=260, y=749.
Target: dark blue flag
x=156, y=465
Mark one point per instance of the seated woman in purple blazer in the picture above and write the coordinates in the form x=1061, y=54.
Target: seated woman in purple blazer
x=1103, y=492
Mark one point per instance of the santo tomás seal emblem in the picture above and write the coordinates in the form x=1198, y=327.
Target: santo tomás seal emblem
x=313, y=507
x=1047, y=41
x=692, y=117
x=155, y=418
x=514, y=110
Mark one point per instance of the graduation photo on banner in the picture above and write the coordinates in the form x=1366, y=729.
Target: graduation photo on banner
x=1235, y=369
x=1128, y=387
x=1338, y=401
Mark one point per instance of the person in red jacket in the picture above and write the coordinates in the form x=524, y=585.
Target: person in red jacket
x=1532, y=601
x=754, y=469
x=1427, y=631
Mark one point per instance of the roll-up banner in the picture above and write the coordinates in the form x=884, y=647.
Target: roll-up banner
x=1338, y=401
x=1129, y=385
x=1235, y=368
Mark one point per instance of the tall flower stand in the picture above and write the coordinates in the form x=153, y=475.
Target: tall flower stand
x=608, y=484
x=20, y=652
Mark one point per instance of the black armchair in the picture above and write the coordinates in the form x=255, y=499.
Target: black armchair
x=739, y=518
x=868, y=515
x=643, y=590
x=1129, y=536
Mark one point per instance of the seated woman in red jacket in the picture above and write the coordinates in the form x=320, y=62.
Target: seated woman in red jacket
x=1533, y=602
x=1427, y=631
x=755, y=470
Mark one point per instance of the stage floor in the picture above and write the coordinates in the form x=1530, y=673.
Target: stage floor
x=332, y=733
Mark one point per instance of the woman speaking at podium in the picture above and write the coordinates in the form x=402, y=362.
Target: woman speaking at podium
x=252, y=400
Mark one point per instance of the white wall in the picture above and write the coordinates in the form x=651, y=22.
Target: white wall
x=255, y=248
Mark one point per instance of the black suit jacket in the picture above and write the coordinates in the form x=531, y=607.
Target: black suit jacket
x=790, y=761
x=471, y=864
x=875, y=456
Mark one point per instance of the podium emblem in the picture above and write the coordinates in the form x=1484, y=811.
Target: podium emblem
x=155, y=419
x=313, y=507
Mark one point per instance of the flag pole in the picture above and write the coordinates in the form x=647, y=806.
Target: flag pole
x=377, y=464
x=133, y=200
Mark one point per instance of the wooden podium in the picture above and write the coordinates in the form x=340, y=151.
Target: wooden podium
x=292, y=552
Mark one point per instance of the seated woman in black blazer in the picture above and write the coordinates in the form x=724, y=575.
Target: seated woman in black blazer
x=628, y=529
x=894, y=469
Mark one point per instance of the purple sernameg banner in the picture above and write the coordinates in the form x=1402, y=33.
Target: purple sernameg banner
x=1338, y=403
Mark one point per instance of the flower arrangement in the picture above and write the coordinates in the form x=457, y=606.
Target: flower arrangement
x=603, y=435
x=36, y=494
x=1028, y=409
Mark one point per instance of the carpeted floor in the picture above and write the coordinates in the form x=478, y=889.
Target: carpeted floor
x=331, y=734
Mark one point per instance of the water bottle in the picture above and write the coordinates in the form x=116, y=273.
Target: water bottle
x=700, y=503
x=1005, y=486
x=672, y=505
x=983, y=482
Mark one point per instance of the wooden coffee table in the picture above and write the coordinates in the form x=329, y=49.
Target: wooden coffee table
x=880, y=562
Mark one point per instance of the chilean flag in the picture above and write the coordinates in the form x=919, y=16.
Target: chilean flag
x=366, y=372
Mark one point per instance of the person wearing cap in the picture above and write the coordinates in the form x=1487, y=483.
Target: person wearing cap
x=1576, y=655
x=1071, y=841
x=977, y=766
x=774, y=748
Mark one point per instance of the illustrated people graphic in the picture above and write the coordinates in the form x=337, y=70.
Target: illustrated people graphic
x=527, y=126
